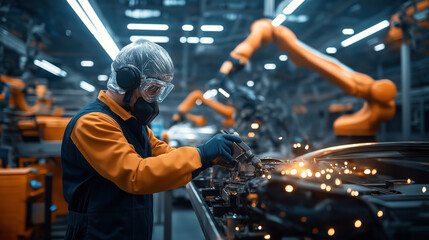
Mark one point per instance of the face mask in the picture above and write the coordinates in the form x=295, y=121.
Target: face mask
x=145, y=112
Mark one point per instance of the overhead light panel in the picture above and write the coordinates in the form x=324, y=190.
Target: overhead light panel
x=182, y=39
x=348, y=31
x=289, y=9
x=331, y=50
x=193, y=40
x=155, y=39
x=206, y=40
x=86, y=86
x=142, y=13
x=187, y=27
x=212, y=28
x=278, y=20
x=270, y=66
x=144, y=26
x=225, y=93
x=379, y=47
x=102, y=78
x=292, y=6
x=88, y=16
x=210, y=93
x=283, y=57
x=365, y=33
x=87, y=63
x=250, y=83
x=50, y=68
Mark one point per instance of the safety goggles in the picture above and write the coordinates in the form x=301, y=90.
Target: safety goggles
x=154, y=90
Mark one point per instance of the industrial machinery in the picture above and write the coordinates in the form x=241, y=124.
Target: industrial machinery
x=197, y=96
x=357, y=191
x=30, y=146
x=379, y=95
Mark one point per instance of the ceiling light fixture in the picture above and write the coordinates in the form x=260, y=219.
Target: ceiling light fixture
x=187, y=27
x=278, y=20
x=87, y=63
x=50, y=68
x=270, y=66
x=212, y=28
x=283, y=58
x=289, y=9
x=88, y=16
x=379, y=47
x=225, y=93
x=155, y=39
x=86, y=86
x=348, y=31
x=144, y=26
x=193, y=40
x=102, y=78
x=292, y=6
x=206, y=40
x=331, y=50
x=365, y=33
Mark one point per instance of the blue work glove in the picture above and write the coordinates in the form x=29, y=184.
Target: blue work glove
x=220, y=145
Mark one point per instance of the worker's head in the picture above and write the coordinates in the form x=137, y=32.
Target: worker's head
x=142, y=71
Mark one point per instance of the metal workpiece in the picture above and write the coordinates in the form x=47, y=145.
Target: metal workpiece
x=357, y=191
x=205, y=217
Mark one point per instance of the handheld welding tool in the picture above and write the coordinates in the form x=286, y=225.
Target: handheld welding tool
x=246, y=155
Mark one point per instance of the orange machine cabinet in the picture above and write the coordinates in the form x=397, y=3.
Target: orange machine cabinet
x=22, y=192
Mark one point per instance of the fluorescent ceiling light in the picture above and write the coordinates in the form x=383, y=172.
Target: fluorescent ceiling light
x=174, y=3
x=187, y=27
x=155, y=39
x=102, y=78
x=283, y=58
x=193, y=40
x=250, y=83
x=142, y=13
x=365, y=33
x=292, y=6
x=86, y=86
x=206, y=40
x=278, y=20
x=225, y=93
x=348, y=31
x=212, y=28
x=182, y=39
x=143, y=26
x=50, y=68
x=210, y=93
x=88, y=16
x=331, y=50
x=297, y=18
x=379, y=47
x=87, y=63
x=270, y=66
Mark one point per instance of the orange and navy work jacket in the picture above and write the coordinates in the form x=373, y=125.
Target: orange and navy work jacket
x=111, y=166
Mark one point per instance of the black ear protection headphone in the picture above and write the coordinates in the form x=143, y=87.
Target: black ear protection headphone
x=128, y=78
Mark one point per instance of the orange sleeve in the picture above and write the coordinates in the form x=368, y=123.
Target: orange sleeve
x=101, y=141
x=158, y=147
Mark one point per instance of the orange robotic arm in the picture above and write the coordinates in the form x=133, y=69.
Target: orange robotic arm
x=189, y=103
x=379, y=95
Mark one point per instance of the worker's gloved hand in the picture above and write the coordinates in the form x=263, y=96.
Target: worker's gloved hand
x=220, y=145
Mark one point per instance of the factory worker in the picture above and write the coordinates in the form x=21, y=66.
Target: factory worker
x=112, y=162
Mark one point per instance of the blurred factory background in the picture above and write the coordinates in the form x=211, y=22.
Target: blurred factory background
x=285, y=97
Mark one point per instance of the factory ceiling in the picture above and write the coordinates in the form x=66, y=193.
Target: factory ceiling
x=65, y=41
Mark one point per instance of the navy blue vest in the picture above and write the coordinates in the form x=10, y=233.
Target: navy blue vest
x=98, y=209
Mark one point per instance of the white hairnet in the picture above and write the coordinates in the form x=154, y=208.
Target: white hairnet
x=151, y=59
